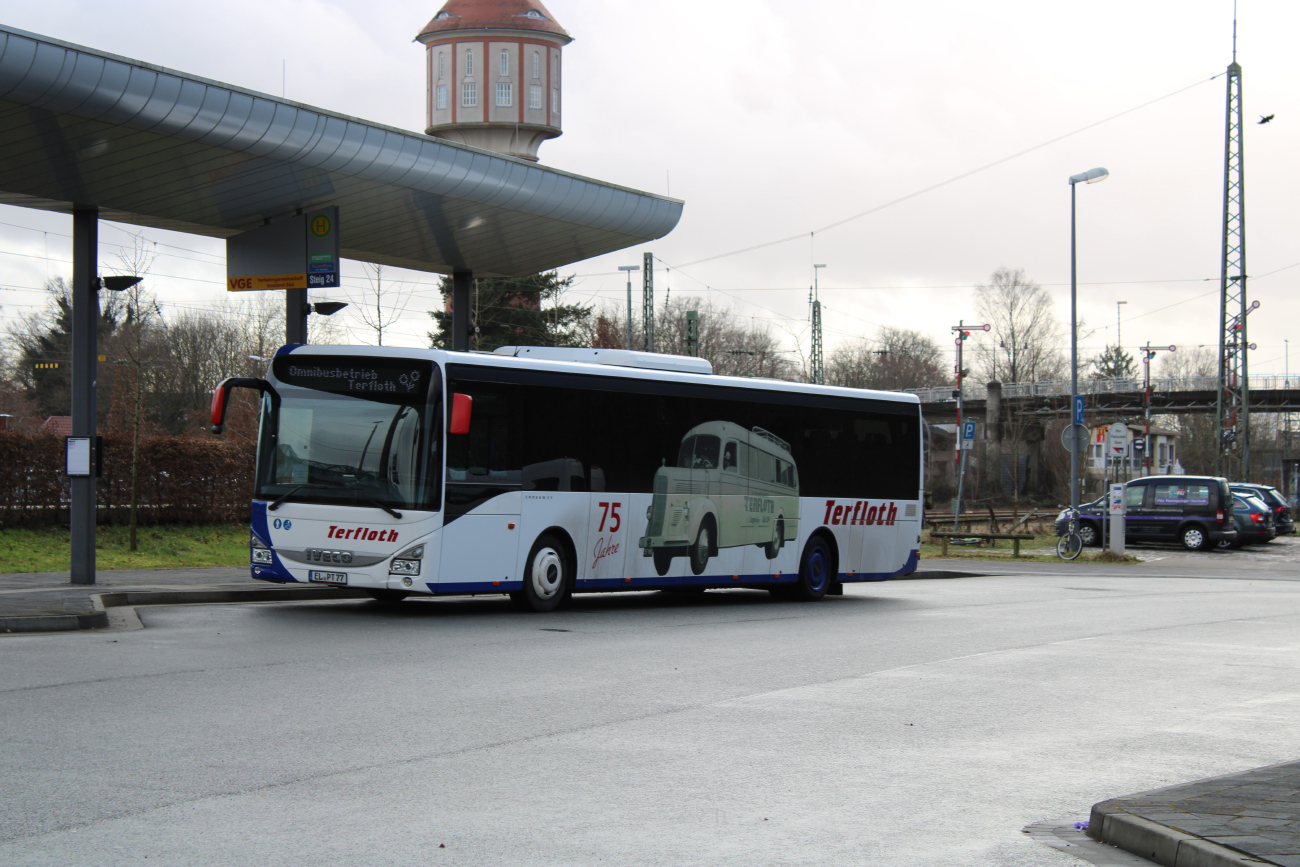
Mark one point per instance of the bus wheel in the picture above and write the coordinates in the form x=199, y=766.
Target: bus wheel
x=703, y=544
x=814, y=570
x=774, y=547
x=388, y=597
x=546, y=580
x=663, y=561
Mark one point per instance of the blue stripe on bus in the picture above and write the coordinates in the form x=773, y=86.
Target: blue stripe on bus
x=276, y=571
x=655, y=582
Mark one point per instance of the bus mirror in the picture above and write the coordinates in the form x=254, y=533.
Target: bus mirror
x=221, y=396
x=461, y=406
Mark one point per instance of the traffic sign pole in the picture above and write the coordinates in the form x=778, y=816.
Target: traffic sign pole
x=962, y=333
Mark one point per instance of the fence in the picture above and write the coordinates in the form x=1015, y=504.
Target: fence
x=974, y=391
x=183, y=480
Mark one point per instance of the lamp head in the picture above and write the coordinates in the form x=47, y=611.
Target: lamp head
x=118, y=284
x=328, y=308
x=1091, y=176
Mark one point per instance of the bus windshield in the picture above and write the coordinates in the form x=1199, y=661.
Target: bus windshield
x=699, y=452
x=351, y=431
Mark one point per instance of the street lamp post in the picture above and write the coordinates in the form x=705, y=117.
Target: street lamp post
x=1119, y=342
x=629, y=269
x=1091, y=176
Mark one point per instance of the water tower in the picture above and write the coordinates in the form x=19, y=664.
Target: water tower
x=494, y=75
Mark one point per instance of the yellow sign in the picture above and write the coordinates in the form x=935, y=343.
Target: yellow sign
x=266, y=281
x=320, y=225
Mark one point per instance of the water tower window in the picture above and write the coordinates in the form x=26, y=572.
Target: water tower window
x=503, y=93
x=535, y=96
x=442, y=97
x=442, y=64
x=469, y=61
x=469, y=94
x=537, y=66
x=505, y=62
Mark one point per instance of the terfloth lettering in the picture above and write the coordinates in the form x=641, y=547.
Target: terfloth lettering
x=860, y=513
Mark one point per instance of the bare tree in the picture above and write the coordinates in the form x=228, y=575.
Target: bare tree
x=1023, y=345
x=1025, y=342
x=734, y=345
x=1198, y=439
x=896, y=359
x=379, y=306
x=136, y=341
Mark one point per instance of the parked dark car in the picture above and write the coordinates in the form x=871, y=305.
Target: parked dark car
x=1275, y=501
x=1194, y=511
x=1254, y=520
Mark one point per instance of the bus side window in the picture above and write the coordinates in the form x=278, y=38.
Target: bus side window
x=729, y=456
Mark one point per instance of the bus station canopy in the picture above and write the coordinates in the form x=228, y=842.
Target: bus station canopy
x=145, y=145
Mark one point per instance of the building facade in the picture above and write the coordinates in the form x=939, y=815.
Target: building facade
x=495, y=75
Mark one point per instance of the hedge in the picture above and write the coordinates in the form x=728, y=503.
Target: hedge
x=183, y=480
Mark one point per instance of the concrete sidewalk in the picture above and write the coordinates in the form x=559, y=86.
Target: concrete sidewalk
x=49, y=602
x=1248, y=818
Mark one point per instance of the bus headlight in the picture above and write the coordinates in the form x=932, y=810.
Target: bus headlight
x=258, y=551
x=407, y=562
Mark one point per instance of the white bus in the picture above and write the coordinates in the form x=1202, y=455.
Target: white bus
x=543, y=472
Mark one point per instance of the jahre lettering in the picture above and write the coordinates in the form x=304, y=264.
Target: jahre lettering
x=602, y=550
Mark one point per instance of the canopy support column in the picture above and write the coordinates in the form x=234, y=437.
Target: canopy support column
x=85, y=363
x=295, y=316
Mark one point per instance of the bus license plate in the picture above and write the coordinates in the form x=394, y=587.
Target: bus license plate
x=328, y=577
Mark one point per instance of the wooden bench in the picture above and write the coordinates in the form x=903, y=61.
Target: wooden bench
x=944, y=535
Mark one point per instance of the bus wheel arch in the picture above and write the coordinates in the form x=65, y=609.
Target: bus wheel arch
x=817, y=567
x=549, y=572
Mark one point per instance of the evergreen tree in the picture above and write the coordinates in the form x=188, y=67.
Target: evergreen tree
x=1114, y=363
x=520, y=311
x=45, y=340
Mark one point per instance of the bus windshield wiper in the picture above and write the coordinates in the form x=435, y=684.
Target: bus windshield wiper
x=370, y=500
x=289, y=493
x=378, y=505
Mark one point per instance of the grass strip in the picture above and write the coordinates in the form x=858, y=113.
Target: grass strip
x=48, y=549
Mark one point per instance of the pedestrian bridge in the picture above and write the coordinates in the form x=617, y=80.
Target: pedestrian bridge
x=1107, y=398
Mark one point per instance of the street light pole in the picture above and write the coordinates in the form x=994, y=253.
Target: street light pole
x=1091, y=176
x=1119, y=342
x=627, y=343
x=963, y=331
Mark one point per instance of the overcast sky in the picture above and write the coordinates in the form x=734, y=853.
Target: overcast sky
x=773, y=120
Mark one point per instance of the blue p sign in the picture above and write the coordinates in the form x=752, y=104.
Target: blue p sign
x=968, y=430
x=1078, y=410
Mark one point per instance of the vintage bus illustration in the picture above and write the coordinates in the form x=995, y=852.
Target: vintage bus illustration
x=731, y=486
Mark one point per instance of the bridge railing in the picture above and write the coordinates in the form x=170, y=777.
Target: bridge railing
x=1056, y=388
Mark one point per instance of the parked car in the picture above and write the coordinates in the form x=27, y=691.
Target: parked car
x=1274, y=499
x=1254, y=520
x=1194, y=511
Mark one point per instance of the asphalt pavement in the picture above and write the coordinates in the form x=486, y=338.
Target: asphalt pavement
x=672, y=718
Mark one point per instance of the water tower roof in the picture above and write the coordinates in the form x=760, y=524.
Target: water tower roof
x=493, y=15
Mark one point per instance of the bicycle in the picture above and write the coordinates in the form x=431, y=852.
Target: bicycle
x=1070, y=545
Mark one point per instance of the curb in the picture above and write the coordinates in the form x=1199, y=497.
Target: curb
x=1109, y=823
x=97, y=618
